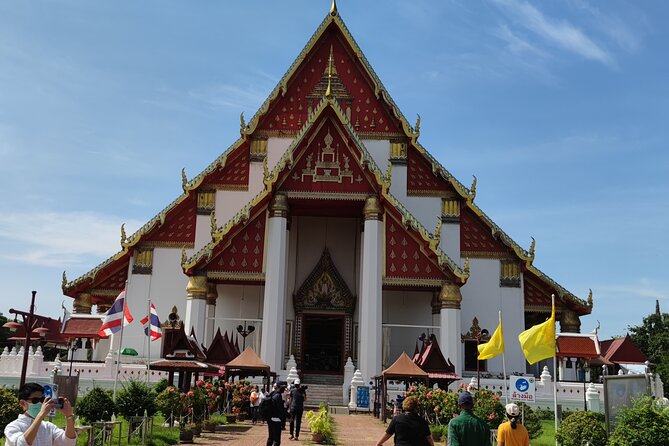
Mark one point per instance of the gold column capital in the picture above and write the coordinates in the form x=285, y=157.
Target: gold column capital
x=196, y=288
x=372, y=209
x=82, y=304
x=212, y=293
x=570, y=322
x=103, y=308
x=450, y=296
x=278, y=207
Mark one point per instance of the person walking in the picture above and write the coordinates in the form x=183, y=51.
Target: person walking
x=468, y=429
x=296, y=400
x=255, y=403
x=512, y=433
x=409, y=428
x=276, y=417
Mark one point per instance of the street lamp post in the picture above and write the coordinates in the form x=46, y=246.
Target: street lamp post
x=482, y=334
x=28, y=322
x=245, y=330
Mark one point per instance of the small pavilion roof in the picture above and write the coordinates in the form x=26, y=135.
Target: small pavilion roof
x=572, y=345
x=248, y=360
x=404, y=367
x=622, y=351
x=82, y=326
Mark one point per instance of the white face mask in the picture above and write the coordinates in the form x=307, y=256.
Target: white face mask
x=33, y=409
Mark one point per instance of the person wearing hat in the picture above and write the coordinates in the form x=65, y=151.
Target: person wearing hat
x=296, y=400
x=468, y=429
x=512, y=433
x=277, y=415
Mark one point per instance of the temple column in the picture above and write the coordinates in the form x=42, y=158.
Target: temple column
x=450, y=327
x=369, y=359
x=101, y=348
x=196, y=303
x=210, y=324
x=274, y=302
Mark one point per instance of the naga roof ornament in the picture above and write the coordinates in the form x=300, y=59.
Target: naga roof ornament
x=64, y=283
x=214, y=226
x=184, y=180
x=472, y=190
x=124, y=237
x=590, y=301
x=532, y=247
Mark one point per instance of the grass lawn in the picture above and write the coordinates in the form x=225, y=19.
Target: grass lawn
x=548, y=436
x=161, y=435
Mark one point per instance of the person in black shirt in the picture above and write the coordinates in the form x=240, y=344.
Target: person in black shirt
x=276, y=417
x=296, y=408
x=409, y=428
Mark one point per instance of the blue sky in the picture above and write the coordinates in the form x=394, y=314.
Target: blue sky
x=559, y=108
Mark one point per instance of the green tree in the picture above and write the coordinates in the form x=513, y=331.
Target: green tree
x=580, y=427
x=9, y=408
x=135, y=398
x=4, y=332
x=96, y=405
x=652, y=337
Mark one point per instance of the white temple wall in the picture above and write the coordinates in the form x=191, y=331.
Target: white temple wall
x=450, y=240
x=203, y=231
x=339, y=235
x=380, y=151
x=405, y=308
x=483, y=298
x=276, y=147
x=236, y=304
x=398, y=181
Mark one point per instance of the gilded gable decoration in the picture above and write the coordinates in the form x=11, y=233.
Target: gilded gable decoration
x=206, y=202
x=474, y=332
x=324, y=289
x=143, y=261
x=509, y=273
x=258, y=149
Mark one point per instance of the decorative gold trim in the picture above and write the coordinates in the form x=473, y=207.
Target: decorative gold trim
x=413, y=282
x=339, y=196
x=427, y=193
x=236, y=276
x=278, y=207
x=450, y=210
x=258, y=150
x=196, y=288
x=142, y=261
x=206, y=202
x=372, y=209
x=168, y=244
x=485, y=254
x=82, y=304
x=509, y=273
x=105, y=292
x=450, y=296
x=398, y=151
x=474, y=332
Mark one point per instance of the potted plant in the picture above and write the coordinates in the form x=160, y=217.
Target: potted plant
x=436, y=431
x=320, y=425
x=186, y=432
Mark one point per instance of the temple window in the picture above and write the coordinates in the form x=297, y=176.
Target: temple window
x=471, y=353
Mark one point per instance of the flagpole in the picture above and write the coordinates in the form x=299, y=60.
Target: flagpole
x=148, y=339
x=506, y=389
x=555, y=370
x=120, y=339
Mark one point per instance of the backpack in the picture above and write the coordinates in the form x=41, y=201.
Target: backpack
x=266, y=407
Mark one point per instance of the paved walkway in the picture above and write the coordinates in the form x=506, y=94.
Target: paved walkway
x=351, y=430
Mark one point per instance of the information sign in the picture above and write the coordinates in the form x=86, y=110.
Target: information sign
x=522, y=388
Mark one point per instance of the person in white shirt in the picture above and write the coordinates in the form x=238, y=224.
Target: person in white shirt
x=30, y=429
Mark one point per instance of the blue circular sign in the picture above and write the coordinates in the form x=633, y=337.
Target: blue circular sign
x=522, y=385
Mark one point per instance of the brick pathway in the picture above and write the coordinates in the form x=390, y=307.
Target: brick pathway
x=351, y=430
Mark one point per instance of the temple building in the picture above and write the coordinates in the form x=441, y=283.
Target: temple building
x=331, y=230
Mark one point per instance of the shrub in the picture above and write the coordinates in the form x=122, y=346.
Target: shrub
x=579, y=427
x=9, y=408
x=321, y=423
x=136, y=398
x=160, y=385
x=96, y=405
x=545, y=414
x=170, y=403
x=532, y=422
x=642, y=425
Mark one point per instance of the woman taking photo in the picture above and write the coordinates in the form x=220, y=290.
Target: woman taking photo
x=512, y=433
x=409, y=428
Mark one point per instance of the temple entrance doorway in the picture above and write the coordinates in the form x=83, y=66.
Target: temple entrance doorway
x=323, y=344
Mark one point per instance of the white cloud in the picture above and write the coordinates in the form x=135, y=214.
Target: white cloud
x=560, y=33
x=61, y=239
x=516, y=44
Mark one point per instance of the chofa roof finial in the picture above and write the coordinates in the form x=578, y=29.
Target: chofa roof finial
x=328, y=92
x=333, y=8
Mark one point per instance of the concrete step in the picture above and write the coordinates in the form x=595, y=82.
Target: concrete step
x=323, y=379
x=317, y=393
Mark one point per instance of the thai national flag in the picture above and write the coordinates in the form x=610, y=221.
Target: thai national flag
x=152, y=324
x=115, y=317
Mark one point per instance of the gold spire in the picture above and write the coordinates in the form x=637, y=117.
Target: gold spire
x=333, y=8
x=123, y=235
x=532, y=246
x=184, y=179
x=328, y=92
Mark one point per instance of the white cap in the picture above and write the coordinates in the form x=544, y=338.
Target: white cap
x=297, y=382
x=512, y=409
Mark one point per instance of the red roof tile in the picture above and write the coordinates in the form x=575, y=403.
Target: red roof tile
x=622, y=351
x=79, y=327
x=576, y=347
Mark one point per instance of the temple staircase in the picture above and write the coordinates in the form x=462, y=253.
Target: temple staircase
x=323, y=388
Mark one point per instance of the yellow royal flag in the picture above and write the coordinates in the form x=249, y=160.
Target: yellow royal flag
x=538, y=342
x=493, y=347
